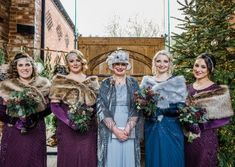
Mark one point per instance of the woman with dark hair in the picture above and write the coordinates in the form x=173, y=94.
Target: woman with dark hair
x=73, y=97
x=118, y=128
x=24, y=135
x=163, y=135
x=215, y=99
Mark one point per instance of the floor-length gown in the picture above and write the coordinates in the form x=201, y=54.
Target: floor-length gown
x=164, y=143
x=121, y=154
x=203, y=151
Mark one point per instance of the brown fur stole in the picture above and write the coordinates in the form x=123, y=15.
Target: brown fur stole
x=217, y=102
x=70, y=91
x=39, y=85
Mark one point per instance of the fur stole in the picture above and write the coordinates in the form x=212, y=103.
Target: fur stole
x=217, y=102
x=39, y=85
x=172, y=90
x=70, y=91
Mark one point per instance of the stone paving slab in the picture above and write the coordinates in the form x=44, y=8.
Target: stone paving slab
x=51, y=156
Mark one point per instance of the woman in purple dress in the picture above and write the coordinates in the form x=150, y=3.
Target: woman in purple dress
x=24, y=136
x=215, y=99
x=72, y=96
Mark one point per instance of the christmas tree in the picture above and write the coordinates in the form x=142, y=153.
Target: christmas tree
x=208, y=27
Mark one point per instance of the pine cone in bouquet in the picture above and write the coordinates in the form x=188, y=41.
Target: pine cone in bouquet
x=3, y=72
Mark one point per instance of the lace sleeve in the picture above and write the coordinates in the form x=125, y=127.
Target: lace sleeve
x=131, y=122
x=109, y=122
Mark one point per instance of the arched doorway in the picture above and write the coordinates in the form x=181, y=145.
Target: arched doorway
x=141, y=51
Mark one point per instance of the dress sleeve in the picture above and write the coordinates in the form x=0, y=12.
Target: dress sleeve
x=45, y=113
x=131, y=123
x=59, y=112
x=134, y=116
x=6, y=118
x=215, y=123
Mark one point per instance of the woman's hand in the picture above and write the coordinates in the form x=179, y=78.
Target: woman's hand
x=4, y=102
x=127, y=130
x=120, y=134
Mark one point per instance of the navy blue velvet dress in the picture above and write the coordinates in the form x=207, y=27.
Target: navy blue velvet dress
x=163, y=135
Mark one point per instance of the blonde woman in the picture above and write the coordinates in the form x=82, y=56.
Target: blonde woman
x=163, y=136
x=69, y=94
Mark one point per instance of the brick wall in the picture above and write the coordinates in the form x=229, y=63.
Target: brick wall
x=58, y=33
x=24, y=12
x=4, y=21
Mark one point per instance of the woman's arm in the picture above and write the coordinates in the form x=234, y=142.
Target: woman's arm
x=131, y=123
x=134, y=115
x=59, y=112
x=215, y=123
x=4, y=117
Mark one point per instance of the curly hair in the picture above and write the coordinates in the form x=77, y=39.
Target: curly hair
x=12, y=71
x=167, y=54
x=80, y=56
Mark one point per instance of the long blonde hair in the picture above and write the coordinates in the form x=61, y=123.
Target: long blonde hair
x=170, y=57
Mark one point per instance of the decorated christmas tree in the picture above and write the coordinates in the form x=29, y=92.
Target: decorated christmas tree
x=209, y=26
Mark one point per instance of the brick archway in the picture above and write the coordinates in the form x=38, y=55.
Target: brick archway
x=141, y=50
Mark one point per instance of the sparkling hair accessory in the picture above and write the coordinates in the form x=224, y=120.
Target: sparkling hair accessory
x=27, y=58
x=212, y=64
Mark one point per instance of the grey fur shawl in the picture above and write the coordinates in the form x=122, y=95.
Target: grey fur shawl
x=172, y=90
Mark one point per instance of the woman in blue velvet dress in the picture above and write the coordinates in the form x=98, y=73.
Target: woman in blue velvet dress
x=164, y=139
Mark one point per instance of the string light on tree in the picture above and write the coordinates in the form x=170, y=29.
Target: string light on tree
x=214, y=43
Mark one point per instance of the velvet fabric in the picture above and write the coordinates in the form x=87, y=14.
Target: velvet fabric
x=202, y=152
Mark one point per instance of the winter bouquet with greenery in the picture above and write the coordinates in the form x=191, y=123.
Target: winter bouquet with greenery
x=80, y=115
x=190, y=117
x=22, y=104
x=146, y=101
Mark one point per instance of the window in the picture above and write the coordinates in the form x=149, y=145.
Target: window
x=59, y=32
x=49, y=21
x=66, y=40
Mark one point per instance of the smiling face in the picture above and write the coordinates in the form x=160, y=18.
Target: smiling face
x=200, y=69
x=24, y=69
x=119, y=69
x=74, y=63
x=162, y=64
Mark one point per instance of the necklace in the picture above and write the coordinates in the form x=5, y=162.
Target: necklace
x=119, y=80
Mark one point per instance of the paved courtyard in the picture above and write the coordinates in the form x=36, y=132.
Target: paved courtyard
x=51, y=156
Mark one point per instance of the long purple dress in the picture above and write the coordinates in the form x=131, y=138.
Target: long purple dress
x=27, y=149
x=202, y=152
x=22, y=150
x=74, y=148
